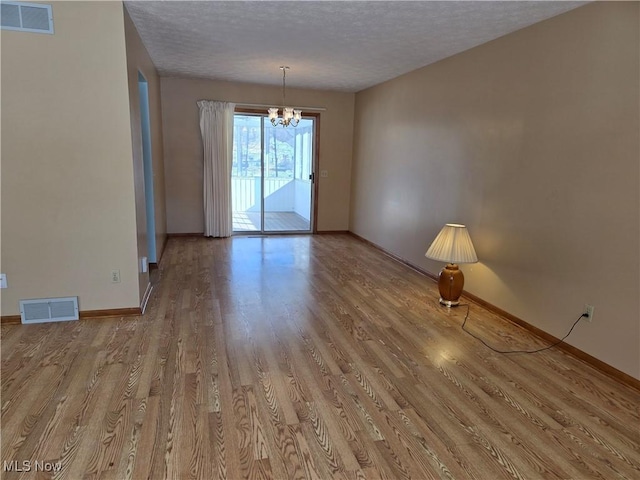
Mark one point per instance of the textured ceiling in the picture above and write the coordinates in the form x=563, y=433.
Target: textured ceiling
x=344, y=46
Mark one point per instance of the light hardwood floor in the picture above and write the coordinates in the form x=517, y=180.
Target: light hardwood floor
x=273, y=222
x=304, y=357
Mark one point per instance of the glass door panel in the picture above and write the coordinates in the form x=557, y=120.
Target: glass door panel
x=246, y=173
x=287, y=192
x=271, y=175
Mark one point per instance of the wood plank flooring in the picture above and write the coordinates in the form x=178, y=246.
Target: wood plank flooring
x=303, y=357
x=273, y=222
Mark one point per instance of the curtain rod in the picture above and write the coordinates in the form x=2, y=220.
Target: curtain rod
x=264, y=105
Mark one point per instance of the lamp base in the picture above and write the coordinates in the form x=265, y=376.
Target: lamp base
x=449, y=303
x=450, y=283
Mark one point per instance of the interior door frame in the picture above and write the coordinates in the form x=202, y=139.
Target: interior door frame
x=147, y=163
x=315, y=161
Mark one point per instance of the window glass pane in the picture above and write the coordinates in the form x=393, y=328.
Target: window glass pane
x=246, y=171
x=285, y=190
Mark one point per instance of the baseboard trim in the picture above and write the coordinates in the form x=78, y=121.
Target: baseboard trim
x=10, y=320
x=395, y=257
x=84, y=315
x=145, y=298
x=570, y=349
x=317, y=232
x=179, y=235
x=113, y=312
x=164, y=248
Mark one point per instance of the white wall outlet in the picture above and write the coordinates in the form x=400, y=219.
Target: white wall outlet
x=3, y=280
x=144, y=264
x=115, y=276
x=588, y=309
x=324, y=173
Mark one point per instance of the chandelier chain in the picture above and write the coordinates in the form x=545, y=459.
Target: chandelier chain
x=284, y=84
x=290, y=116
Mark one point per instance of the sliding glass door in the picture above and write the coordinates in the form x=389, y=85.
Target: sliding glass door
x=272, y=175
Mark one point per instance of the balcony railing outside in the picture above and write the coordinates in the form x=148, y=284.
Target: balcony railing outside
x=287, y=203
x=284, y=158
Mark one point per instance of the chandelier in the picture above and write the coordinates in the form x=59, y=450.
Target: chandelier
x=290, y=116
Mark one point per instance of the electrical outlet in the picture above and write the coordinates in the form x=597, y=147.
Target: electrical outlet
x=3, y=280
x=324, y=173
x=115, y=276
x=144, y=264
x=588, y=309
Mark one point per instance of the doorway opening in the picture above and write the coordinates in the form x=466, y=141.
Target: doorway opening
x=145, y=127
x=272, y=177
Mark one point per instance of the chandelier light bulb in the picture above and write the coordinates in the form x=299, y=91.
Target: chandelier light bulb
x=290, y=116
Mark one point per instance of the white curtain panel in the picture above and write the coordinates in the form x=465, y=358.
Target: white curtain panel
x=216, y=126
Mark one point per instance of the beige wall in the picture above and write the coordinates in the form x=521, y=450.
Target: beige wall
x=68, y=215
x=134, y=56
x=183, y=146
x=138, y=60
x=532, y=140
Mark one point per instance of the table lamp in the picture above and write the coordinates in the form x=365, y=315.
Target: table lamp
x=452, y=245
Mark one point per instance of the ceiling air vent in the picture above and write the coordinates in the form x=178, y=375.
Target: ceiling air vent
x=49, y=310
x=26, y=17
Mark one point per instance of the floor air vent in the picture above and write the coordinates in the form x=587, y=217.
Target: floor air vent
x=49, y=310
x=26, y=17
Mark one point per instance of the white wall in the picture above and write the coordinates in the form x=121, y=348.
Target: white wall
x=183, y=146
x=138, y=60
x=532, y=140
x=68, y=208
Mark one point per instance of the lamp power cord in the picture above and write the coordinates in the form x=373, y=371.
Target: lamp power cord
x=466, y=317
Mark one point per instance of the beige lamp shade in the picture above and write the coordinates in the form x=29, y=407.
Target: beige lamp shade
x=452, y=245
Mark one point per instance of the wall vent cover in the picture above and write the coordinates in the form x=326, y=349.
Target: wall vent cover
x=26, y=17
x=42, y=310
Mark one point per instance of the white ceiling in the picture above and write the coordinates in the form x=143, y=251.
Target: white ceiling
x=342, y=45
